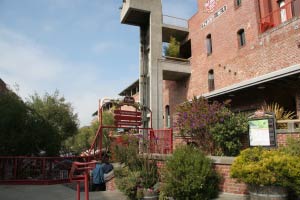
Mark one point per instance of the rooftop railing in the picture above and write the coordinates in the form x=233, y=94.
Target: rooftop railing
x=175, y=21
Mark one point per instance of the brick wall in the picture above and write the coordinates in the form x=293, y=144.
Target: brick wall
x=263, y=53
x=229, y=185
x=282, y=138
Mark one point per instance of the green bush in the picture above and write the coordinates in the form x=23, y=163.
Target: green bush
x=258, y=166
x=188, y=174
x=126, y=181
x=292, y=147
x=140, y=171
x=227, y=134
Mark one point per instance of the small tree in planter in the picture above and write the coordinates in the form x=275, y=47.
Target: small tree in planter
x=267, y=171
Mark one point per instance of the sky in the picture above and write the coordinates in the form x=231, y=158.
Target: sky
x=78, y=47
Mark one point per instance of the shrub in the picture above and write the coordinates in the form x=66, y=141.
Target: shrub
x=227, y=134
x=292, y=147
x=140, y=171
x=279, y=111
x=188, y=174
x=126, y=181
x=258, y=166
x=195, y=118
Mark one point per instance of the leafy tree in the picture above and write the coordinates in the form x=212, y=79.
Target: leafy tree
x=195, y=118
x=83, y=139
x=57, y=112
x=173, y=48
x=22, y=130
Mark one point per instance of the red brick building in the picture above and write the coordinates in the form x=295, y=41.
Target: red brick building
x=244, y=50
x=2, y=86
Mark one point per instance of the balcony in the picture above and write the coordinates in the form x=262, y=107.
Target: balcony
x=285, y=12
x=175, y=27
x=175, y=69
x=135, y=12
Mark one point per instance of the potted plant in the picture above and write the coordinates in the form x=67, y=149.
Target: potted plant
x=148, y=179
x=268, y=172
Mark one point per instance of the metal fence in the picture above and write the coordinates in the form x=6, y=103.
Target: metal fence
x=175, y=21
x=161, y=141
x=36, y=170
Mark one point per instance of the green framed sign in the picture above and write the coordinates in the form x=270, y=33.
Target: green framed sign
x=262, y=130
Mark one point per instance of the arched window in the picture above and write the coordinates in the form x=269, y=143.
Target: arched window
x=237, y=3
x=211, y=80
x=282, y=7
x=168, y=118
x=209, y=44
x=241, y=37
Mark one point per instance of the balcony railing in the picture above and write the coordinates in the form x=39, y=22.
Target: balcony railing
x=288, y=11
x=288, y=126
x=175, y=21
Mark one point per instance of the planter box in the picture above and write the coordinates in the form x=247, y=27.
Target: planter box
x=267, y=192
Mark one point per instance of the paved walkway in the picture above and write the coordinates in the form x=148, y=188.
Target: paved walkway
x=61, y=192
x=51, y=192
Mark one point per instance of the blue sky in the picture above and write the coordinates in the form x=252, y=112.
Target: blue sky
x=76, y=46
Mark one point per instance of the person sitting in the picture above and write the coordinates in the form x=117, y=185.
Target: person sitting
x=98, y=178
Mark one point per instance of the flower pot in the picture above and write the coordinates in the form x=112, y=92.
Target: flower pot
x=267, y=192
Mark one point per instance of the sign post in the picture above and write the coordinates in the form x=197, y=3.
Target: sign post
x=262, y=129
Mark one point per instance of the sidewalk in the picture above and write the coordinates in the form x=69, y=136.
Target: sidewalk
x=61, y=192
x=51, y=192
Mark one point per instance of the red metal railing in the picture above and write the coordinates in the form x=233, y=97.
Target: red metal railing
x=288, y=11
x=161, y=141
x=36, y=170
x=82, y=174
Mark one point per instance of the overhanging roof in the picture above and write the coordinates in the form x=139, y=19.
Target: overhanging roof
x=132, y=86
x=295, y=69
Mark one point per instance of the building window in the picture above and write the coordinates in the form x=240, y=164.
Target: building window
x=241, y=37
x=168, y=118
x=237, y=3
x=211, y=80
x=282, y=7
x=209, y=44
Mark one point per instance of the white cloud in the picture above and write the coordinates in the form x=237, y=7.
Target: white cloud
x=26, y=59
x=34, y=68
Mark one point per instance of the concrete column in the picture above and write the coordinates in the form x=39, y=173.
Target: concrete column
x=156, y=83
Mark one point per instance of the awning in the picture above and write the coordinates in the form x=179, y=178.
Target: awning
x=276, y=75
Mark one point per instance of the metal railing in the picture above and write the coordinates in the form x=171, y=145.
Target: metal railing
x=290, y=10
x=36, y=170
x=161, y=141
x=175, y=21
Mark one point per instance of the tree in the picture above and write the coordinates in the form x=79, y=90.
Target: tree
x=57, y=112
x=83, y=139
x=22, y=130
x=173, y=48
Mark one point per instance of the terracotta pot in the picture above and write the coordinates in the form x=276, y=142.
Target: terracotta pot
x=267, y=192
